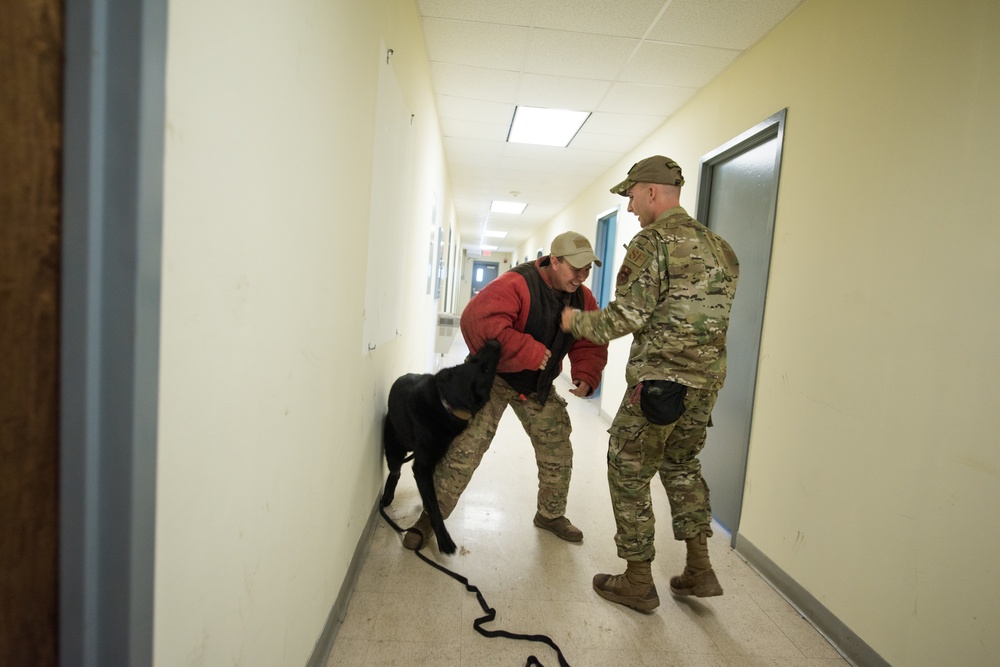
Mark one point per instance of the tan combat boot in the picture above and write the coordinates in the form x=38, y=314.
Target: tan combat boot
x=633, y=589
x=414, y=540
x=698, y=578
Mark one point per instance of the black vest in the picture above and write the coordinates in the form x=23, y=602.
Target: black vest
x=544, y=315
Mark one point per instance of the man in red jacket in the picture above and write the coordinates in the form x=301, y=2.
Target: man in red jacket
x=522, y=309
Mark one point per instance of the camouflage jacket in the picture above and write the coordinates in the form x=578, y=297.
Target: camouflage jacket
x=674, y=293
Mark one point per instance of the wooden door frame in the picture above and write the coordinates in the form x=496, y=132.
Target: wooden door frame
x=31, y=74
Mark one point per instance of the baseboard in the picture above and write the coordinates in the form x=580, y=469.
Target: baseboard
x=852, y=647
x=324, y=645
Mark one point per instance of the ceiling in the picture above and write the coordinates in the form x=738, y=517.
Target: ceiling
x=632, y=63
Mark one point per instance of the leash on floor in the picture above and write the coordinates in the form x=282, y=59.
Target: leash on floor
x=490, y=612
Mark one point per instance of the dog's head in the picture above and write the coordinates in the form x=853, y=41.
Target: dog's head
x=466, y=387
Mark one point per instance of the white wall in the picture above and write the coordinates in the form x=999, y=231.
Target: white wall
x=874, y=470
x=269, y=453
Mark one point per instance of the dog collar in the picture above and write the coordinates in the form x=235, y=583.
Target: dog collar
x=464, y=415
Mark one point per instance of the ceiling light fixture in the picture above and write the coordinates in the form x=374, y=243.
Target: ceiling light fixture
x=545, y=127
x=494, y=235
x=507, y=207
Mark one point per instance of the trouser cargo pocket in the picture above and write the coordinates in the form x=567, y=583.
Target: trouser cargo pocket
x=662, y=401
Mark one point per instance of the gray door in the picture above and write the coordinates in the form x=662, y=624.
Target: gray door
x=482, y=274
x=737, y=198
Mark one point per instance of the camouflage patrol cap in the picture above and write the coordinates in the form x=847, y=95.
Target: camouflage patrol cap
x=575, y=249
x=656, y=169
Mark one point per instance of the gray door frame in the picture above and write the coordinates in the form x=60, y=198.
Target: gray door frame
x=767, y=130
x=113, y=114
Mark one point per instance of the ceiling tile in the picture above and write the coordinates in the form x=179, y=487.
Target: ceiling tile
x=561, y=92
x=677, y=64
x=731, y=24
x=598, y=17
x=609, y=143
x=622, y=125
x=511, y=12
x=483, y=111
x=474, y=82
x=456, y=145
x=576, y=54
x=477, y=44
x=470, y=129
x=646, y=99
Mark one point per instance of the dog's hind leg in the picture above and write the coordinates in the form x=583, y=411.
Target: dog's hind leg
x=425, y=484
x=395, y=455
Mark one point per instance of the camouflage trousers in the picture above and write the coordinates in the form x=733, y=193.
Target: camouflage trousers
x=637, y=450
x=548, y=427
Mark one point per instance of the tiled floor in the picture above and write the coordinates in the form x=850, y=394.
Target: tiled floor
x=404, y=612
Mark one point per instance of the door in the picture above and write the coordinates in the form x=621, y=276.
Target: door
x=604, y=275
x=737, y=198
x=482, y=274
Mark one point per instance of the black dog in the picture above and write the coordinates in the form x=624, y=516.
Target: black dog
x=425, y=414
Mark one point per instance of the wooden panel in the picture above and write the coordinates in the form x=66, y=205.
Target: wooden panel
x=31, y=44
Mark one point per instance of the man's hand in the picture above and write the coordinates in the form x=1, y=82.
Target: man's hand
x=567, y=318
x=582, y=389
x=545, y=360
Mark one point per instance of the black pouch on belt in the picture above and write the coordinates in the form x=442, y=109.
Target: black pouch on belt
x=662, y=401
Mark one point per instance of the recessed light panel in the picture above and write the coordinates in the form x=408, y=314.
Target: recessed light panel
x=545, y=127
x=507, y=207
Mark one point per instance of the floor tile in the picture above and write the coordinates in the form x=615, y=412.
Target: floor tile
x=805, y=637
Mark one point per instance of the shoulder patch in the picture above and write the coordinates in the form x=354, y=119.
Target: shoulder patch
x=638, y=256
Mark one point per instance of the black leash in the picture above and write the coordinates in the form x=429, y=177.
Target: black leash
x=490, y=612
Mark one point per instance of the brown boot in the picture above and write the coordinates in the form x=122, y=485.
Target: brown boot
x=633, y=589
x=414, y=540
x=560, y=526
x=698, y=578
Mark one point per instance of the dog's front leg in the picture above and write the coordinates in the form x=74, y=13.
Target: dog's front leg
x=425, y=484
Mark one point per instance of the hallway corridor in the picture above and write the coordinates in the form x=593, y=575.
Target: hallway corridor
x=404, y=612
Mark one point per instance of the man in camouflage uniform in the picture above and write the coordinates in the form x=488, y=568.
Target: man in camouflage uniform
x=521, y=309
x=674, y=293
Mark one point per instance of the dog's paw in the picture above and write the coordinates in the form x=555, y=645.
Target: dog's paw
x=446, y=545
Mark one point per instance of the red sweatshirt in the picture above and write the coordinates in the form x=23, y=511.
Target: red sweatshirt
x=500, y=310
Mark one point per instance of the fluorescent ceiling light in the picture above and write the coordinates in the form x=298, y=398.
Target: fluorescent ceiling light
x=495, y=235
x=545, y=127
x=507, y=207
x=488, y=247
